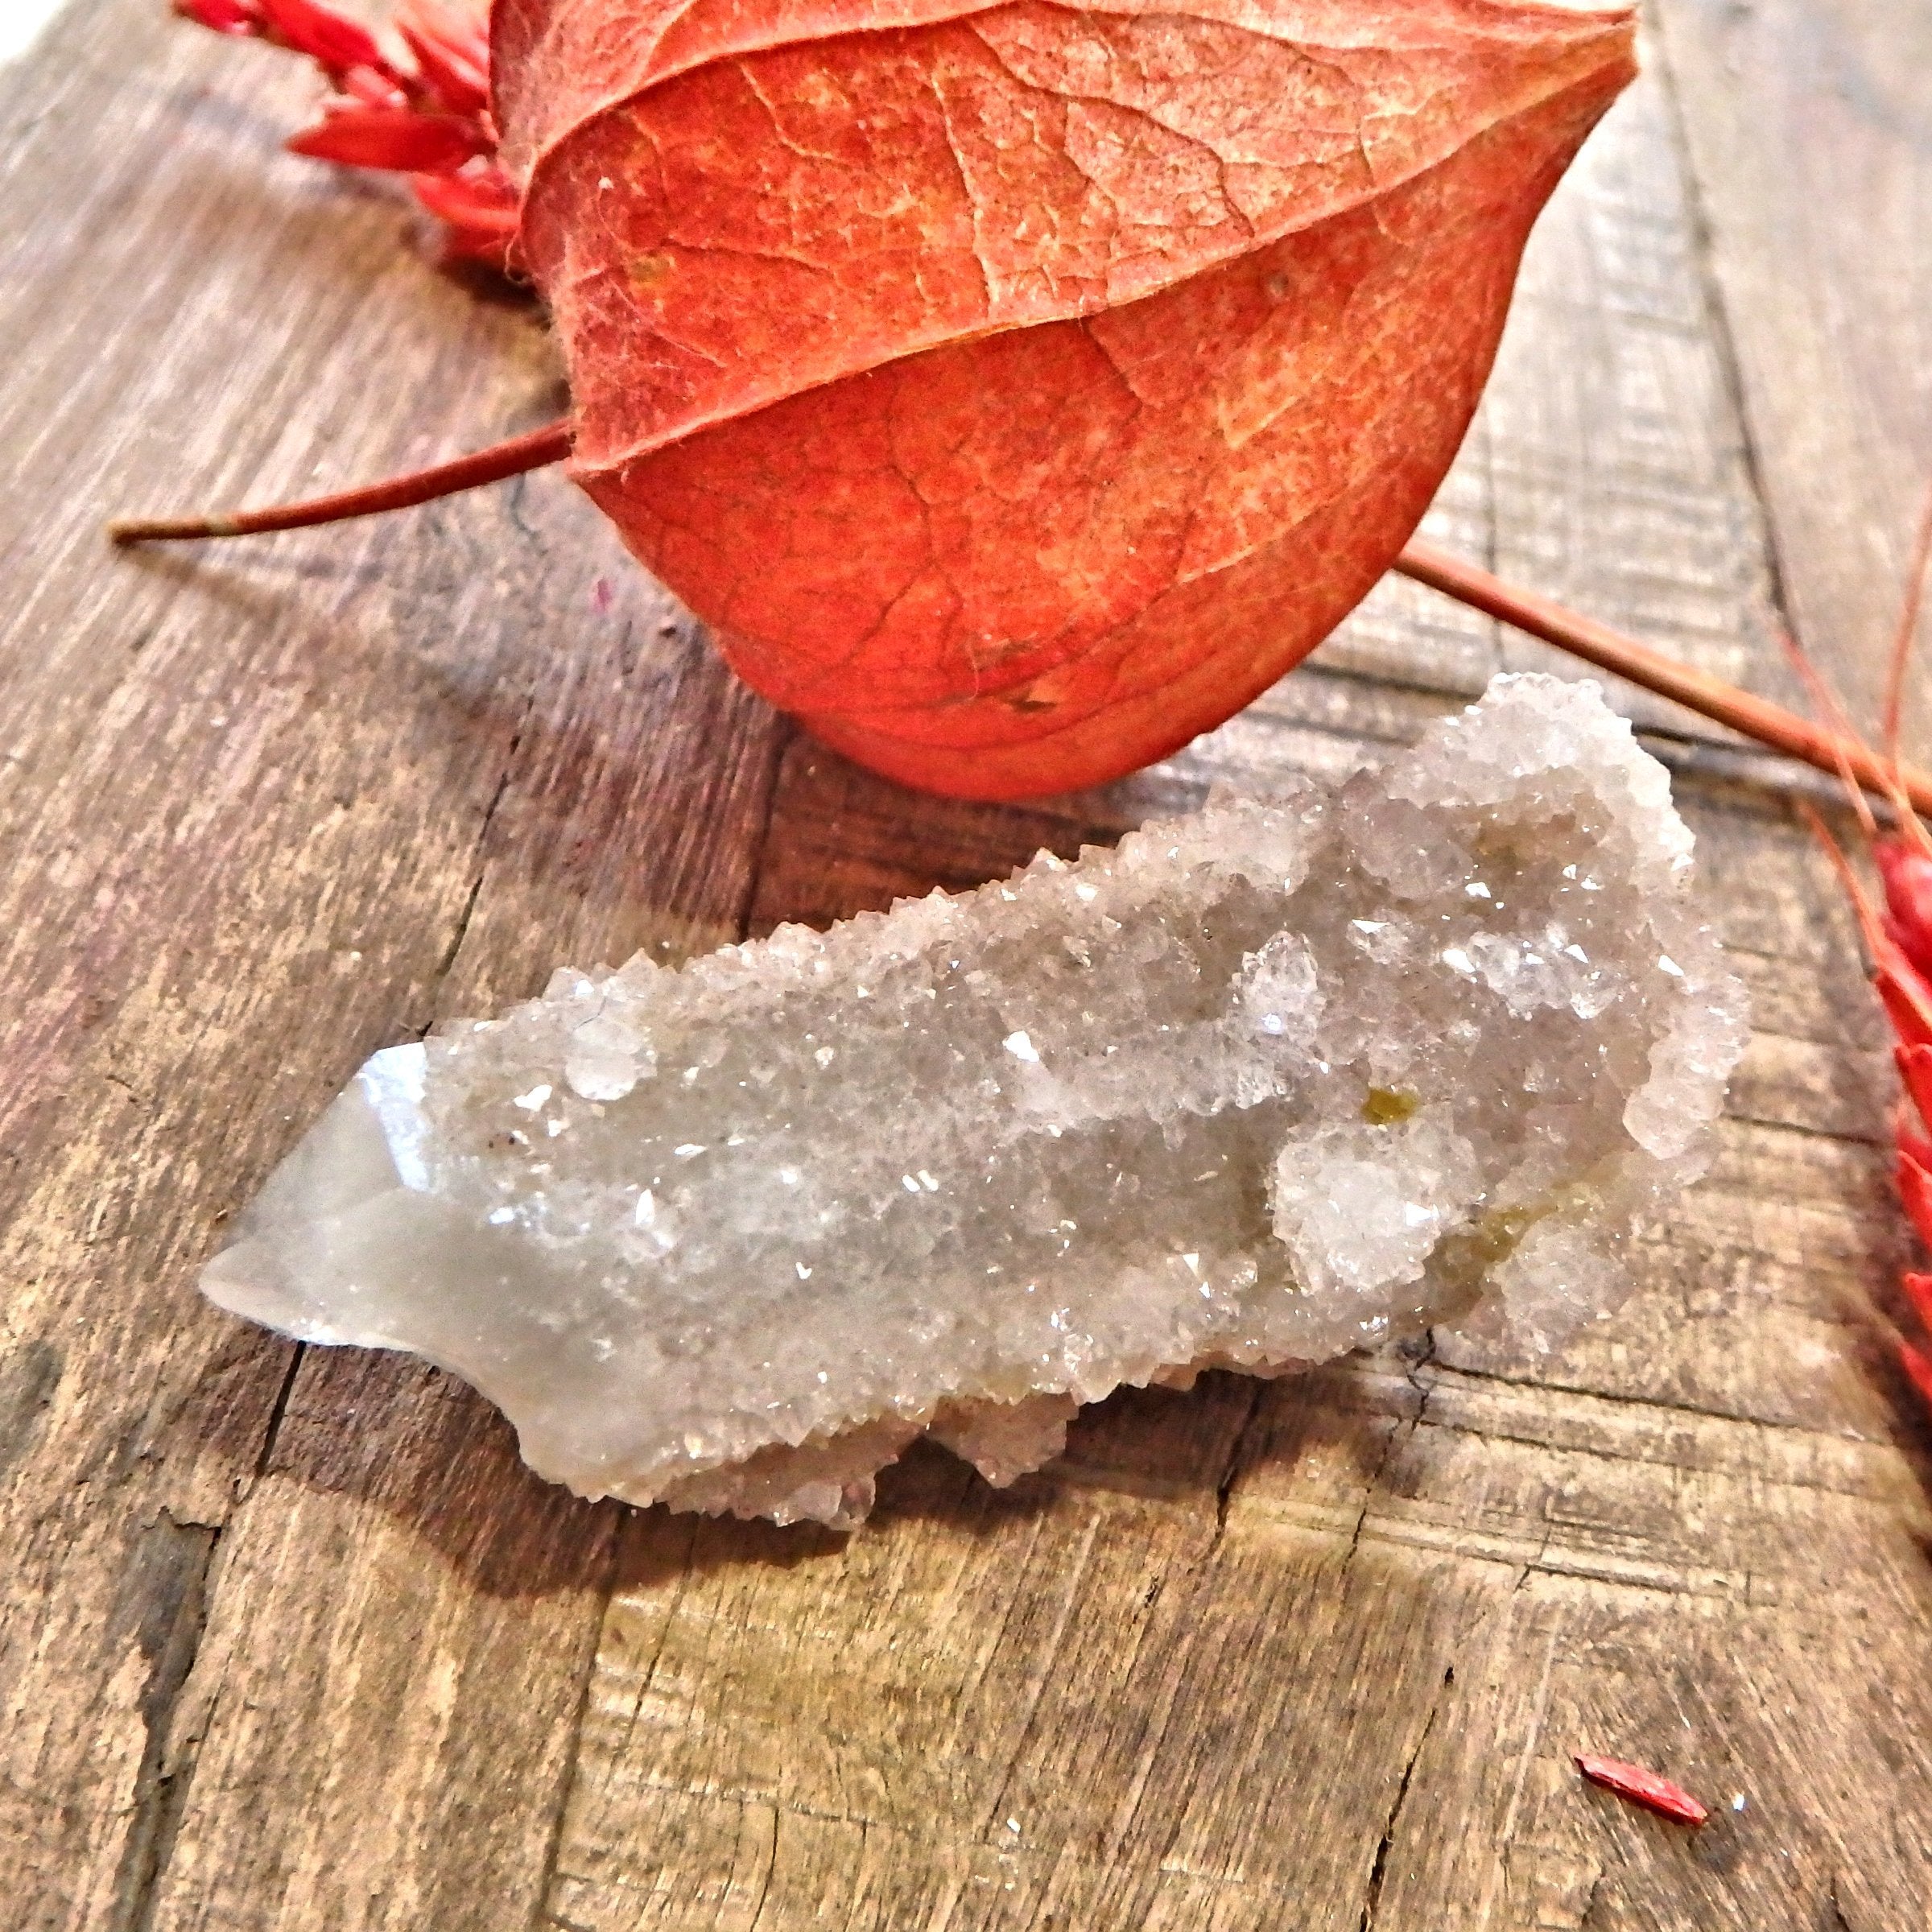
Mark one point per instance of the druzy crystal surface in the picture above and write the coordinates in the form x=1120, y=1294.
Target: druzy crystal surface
x=1292, y=1077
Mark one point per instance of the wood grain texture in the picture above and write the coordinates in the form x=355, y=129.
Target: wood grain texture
x=1607, y=466
x=289, y=1641
x=1810, y=121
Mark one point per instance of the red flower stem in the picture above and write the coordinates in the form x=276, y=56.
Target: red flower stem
x=1908, y=623
x=1582, y=636
x=541, y=448
x=1770, y=724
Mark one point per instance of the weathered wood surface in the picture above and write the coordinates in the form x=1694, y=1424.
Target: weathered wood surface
x=291, y=1641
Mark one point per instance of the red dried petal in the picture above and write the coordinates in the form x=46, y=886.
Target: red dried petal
x=372, y=89
x=395, y=137
x=479, y=210
x=481, y=245
x=1918, y=1292
x=220, y=16
x=451, y=52
x=1908, y=999
x=331, y=39
x=485, y=201
x=1915, y=1070
x=1906, y=869
x=1917, y=1366
x=1915, y=1190
x=1643, y=1787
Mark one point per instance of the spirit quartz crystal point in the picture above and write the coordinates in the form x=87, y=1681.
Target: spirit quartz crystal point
x=1257, y=1087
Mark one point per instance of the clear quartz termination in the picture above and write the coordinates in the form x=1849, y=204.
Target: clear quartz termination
x=1257, y=1087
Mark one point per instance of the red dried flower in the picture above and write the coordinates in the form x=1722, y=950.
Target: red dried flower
x=426, y=116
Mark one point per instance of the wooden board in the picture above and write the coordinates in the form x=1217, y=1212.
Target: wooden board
x=289, y=1640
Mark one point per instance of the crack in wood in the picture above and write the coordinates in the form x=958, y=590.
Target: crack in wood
x=1839, y=1922
x=771, y=1865
x=1590, y=1898
x=446, y=964
x=541, y=1912
x=166, y=1599
x=1622, y=1399
x=273, y=1428
x=1411, y=1372
x=1724, y=341
x=1237, y=1453
x=1378, y=1872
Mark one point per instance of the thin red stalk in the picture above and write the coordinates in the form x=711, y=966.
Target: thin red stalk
x=1908, y=626
x=1825, y=701
x=1871, y=927
x=1907, y=1000
x=1770, y=724
x=541, y=448
x=1582, y=636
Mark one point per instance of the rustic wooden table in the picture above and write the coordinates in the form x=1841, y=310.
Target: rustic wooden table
x=289, y=1639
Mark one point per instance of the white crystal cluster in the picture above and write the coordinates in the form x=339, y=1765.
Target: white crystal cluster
x=1255, y=1089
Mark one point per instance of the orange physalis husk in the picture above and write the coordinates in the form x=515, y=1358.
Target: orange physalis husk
x=1164, y=505
x=1017, y=391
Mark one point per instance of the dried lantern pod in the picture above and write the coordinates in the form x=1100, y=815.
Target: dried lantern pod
x=1016, y=391
x=392, y=104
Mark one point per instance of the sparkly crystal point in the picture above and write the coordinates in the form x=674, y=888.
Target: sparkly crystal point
x=1254, y=1088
